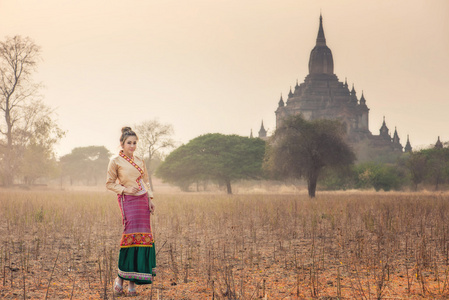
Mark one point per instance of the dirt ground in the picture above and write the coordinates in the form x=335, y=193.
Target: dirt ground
x=64, y=245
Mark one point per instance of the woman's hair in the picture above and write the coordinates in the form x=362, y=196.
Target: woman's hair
x=126, y=132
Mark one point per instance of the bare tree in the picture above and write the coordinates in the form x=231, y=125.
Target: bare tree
x=18, y=60
x=154, y=139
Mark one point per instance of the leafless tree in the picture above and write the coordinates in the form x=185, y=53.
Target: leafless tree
x=154, y=139
x=18, y=60
x=28, y=129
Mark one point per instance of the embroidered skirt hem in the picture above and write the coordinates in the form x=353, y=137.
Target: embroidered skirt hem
x=137, y=264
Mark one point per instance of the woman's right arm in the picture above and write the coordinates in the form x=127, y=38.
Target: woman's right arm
x=111, y=182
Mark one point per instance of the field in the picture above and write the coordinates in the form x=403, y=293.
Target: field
x=346, y=245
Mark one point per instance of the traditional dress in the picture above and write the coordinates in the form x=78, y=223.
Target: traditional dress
x=137, y=258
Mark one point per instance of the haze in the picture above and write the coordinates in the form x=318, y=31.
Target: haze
x=220, y=66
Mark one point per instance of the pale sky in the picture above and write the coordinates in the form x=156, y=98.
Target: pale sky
x=221, y=65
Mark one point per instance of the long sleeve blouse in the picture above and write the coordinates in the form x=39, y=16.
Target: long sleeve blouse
x=122, y=174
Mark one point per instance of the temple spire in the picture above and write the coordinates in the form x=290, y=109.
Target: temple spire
x=262, y=131
x=281, y=102
x=396, y=136
x=362, y=100
x=439, y=144
x=383, y=131
x=408, y=147
x=321, y=40
x=321, y=61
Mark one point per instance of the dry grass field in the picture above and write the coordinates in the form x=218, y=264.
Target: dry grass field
x=346, y=245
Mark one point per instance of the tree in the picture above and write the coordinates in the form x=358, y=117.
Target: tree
x=87, y=165
x=22, y=109
x=337, y=179
x=154, y=138
x=218, y=157
x=437, y=165
x=18, y=59
x=301, y=148
x=380, y=176
x=38, y=138
x=417, y=166
x=180, y=169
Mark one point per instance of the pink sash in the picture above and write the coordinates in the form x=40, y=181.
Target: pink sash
x=135, y=166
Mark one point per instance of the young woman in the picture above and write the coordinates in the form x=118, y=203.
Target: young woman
x=128, y=178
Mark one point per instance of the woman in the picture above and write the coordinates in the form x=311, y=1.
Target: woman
x=128, y=178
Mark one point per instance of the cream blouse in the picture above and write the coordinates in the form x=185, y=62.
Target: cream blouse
x=123, y=174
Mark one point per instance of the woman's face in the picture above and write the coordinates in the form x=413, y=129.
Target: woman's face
x=129, y=145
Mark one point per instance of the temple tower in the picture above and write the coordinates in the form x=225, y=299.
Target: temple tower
x=262, y=132
x=323, y=96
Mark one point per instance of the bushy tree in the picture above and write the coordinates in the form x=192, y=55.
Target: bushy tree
x=180, y=169
x=87, y=165
x=217, y=157
x=301, y=148
x=38, y=159
x=378, y=175
x=416, y=164
x=437, y=165
x=337, y=179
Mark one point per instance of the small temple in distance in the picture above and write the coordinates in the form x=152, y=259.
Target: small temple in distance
x=323, y=96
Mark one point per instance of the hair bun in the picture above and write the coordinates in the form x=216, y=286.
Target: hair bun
x=126, y=132
x=126, y=129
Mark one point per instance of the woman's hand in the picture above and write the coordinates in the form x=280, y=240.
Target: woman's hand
x=151, y=206
x=131, y=190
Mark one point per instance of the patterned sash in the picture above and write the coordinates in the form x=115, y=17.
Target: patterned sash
x=135, y=166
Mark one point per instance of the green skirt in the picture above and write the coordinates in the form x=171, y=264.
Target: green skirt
x=137, y=264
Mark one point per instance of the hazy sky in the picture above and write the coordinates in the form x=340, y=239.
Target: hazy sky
x=221, y=65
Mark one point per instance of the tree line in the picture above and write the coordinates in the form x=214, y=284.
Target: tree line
x=298, y=149
x=315, y=151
